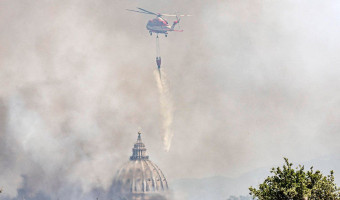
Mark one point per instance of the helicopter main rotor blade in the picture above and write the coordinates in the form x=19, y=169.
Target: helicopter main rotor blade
x=168, y=15
x=172, y=15
x=147, y=11
x=139, y=11
x=185, y=15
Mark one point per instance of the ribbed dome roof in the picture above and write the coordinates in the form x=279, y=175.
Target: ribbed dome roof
x=139, y=175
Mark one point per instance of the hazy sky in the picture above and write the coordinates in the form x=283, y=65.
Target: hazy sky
x=251, y=81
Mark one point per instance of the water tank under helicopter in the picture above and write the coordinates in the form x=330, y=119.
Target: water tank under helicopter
x=159, y=62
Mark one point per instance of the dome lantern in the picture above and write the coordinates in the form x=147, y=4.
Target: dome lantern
x=139, y=150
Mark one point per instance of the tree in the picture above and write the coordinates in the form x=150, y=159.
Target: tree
x=296, y=184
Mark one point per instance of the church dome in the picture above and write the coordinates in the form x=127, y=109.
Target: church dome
x=140, y=178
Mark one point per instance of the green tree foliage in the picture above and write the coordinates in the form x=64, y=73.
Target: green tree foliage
x=296, y=184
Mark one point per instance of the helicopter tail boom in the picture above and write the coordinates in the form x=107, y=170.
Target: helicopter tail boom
x=174, y=24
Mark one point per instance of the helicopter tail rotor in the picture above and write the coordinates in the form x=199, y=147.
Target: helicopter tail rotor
x=178, y=19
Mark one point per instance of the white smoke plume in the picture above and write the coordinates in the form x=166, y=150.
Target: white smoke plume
x=166, y=107
x=251, y=81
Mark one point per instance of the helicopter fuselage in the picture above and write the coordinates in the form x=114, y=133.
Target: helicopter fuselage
x=158, y=25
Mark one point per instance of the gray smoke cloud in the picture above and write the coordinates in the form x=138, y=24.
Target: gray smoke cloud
x=251, y=81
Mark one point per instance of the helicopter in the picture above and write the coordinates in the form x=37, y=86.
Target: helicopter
x=159, y=24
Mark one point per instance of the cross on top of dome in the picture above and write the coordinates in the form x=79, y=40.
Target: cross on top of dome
x=139, y=150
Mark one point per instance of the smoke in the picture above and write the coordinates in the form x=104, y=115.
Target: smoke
x=166, y=105
x=251, y=81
